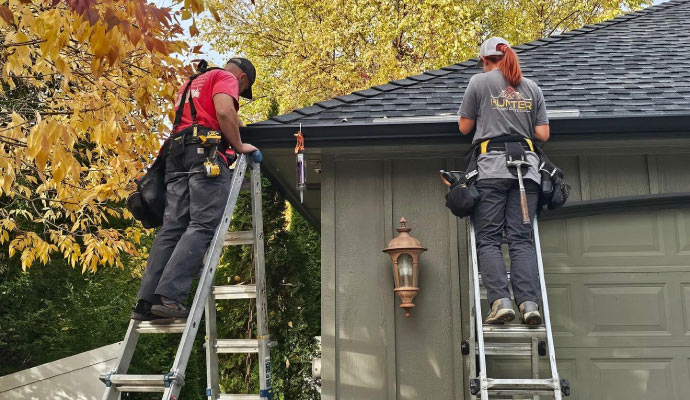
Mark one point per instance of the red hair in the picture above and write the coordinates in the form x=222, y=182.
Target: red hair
x=508, y=64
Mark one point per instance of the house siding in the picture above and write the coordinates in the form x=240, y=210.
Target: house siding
x=371, y=351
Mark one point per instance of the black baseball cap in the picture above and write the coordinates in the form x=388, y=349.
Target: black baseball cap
x=248, y=68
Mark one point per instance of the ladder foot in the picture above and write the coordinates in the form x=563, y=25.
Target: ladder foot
x=474, y=386
x=565, y=387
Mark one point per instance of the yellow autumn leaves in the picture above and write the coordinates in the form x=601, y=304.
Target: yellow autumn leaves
x=86, y=96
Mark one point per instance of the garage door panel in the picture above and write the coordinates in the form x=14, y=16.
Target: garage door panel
x=627, y=309
x=622, y=235
x=685, y=296
x=553, y=238
x=682, y=225
x=561, y=307
x=634, y=378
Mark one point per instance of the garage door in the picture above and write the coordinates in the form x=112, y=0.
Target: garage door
x=619, y=288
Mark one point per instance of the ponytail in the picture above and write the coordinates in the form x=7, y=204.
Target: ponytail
x=509, y=64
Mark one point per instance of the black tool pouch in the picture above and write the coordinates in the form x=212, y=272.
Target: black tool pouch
x=463, y=194
x=147, y=203
x=554, y=189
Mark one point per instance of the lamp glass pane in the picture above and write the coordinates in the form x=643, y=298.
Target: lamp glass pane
x=405, y=269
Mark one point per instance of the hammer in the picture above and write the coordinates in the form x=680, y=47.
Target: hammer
x=523, y=196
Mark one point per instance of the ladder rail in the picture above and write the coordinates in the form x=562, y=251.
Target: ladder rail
x=260, y=281
x=486, y=385
x=546, y=310
x=472, y=317
x=212, y=371
x=123, y=360
x=205, y=283
x=478, y=313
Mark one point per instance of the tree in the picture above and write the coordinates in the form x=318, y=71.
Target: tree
x=86, y=87
x=311, y=50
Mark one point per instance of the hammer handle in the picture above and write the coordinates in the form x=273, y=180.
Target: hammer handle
x=523, y=205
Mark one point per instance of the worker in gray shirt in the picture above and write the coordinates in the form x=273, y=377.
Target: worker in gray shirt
x=505, y=106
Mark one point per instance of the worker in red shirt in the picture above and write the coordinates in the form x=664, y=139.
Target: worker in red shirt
x=197, y=177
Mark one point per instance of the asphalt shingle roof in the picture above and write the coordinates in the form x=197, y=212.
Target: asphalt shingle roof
x=636, y=64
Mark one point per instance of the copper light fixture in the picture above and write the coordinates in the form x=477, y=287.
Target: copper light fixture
x=404, y=251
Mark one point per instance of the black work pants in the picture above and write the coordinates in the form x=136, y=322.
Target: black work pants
x=499, y=209
x=194, y=206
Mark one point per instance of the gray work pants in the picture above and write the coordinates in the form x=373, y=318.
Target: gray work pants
x=499, y=209
x=194, y=206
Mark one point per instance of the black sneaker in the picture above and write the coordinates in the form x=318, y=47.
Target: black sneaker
x=530, y=313
x=142, y=312
x=170, y=309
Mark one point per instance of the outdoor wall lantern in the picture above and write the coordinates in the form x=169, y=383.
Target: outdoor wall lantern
x=404, y=251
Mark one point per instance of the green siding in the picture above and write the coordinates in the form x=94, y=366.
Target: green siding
x=618, y=284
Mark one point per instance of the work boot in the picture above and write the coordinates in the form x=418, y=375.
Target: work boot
x=501, y=312
x=530, y=313
x=170, y=309
x=142, y=312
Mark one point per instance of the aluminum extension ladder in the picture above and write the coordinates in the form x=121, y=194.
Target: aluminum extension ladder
x=118, y=381
x=510, y=340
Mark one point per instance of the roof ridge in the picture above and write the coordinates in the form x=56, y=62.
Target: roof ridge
x=374, y=91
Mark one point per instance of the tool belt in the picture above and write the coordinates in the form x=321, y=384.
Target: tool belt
x=198, y=134
x=463, y=196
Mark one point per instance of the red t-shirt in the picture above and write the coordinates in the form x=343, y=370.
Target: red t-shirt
x=202, y=91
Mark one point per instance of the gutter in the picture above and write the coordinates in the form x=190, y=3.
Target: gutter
x=444, y=129
x=619, y=205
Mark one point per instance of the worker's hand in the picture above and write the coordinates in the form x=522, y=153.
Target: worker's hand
x=257, y=157
x=247, y=148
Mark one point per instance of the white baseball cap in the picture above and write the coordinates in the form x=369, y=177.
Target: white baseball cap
x=488, y=48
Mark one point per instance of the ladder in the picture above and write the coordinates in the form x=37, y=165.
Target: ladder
x=118, y=381
x=510, y=340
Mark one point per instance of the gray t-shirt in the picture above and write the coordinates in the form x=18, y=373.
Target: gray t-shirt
x=499, y=110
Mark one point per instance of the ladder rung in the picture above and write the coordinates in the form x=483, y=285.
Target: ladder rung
x=520, y=384
x=237, y=345
x=162, y=326
x=124, y=389
x=239, y=397
x=508, y=349
x=232, y=292
x=137, y=383
x=239, y=237
x=514, y=331
x=523, y=394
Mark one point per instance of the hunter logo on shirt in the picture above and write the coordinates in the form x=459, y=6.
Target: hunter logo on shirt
x=511, y=100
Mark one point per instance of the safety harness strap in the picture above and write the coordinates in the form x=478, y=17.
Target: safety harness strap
x=180, y=108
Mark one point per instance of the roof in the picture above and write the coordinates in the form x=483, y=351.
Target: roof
x=635, y=64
